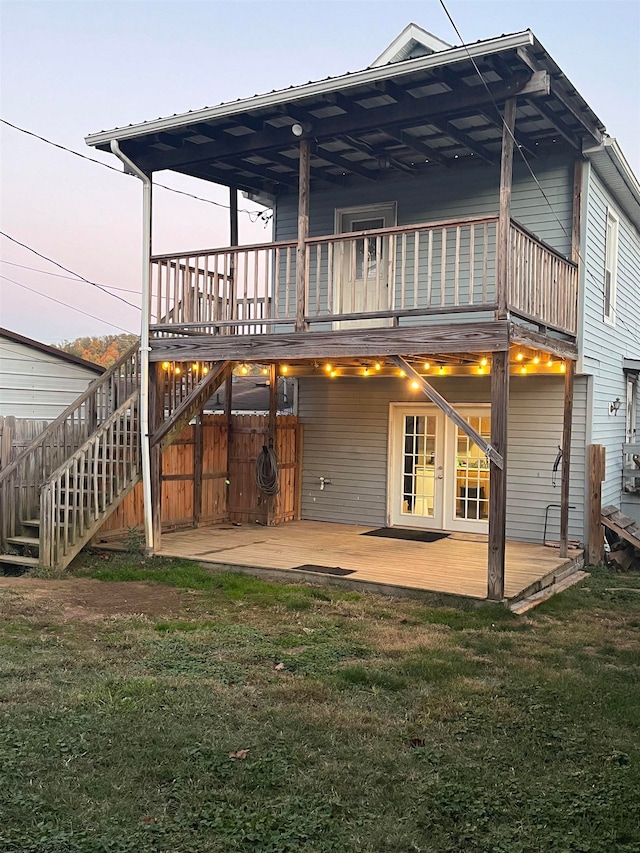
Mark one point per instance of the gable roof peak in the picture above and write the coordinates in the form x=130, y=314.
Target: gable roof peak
x=412, y=41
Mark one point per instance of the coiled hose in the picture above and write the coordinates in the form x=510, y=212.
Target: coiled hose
x=267, y=477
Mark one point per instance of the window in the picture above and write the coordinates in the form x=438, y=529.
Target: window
x=610, y=268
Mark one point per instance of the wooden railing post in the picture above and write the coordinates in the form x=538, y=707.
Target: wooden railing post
x=597, y=473
x=504, y=222
x=566, y=457
x=303, y=233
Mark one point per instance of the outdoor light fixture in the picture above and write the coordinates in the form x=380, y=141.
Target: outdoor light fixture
x=614, y=407
x=297, y=129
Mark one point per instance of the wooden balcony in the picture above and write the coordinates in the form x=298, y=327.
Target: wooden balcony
x=405, y=275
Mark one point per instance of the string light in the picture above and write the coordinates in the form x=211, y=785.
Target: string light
x=365, y=372
x=165, y=365
x=265, y=371
x=563, y=368
x=484, y=362
x=205, y=370
x=378, y=365
x=481, y=369
x=441, y=370
x=550, y=362
x=415, y=385
x=284, y=369
x=427, y=366
x=523, y=369
x=328, y=368
x=520, y=356
x=244, y=369
x=333, y=374
x=536, y=360
x=401, y=374
x=177, y=371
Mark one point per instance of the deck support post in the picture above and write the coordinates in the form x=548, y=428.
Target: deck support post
x=198, y=451
x=498, y=476
x=156, y=406
x=272, y=435
x=566, y=457
x=303, y=233
x=228, y=407
x=504, y=221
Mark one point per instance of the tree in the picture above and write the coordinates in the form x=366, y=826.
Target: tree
x=103, y=350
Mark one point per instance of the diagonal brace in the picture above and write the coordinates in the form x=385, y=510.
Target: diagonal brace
x=191, y=405
x=449, y=411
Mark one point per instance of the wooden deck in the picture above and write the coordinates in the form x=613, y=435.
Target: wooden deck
x=455, y=565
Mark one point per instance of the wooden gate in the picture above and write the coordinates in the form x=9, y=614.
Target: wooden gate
x=197, y=487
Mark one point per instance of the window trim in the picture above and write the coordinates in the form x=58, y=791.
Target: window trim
x=610, y=316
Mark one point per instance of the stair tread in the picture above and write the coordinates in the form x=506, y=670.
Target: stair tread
x=24, y=540
x=30, y=522
x=16, y=560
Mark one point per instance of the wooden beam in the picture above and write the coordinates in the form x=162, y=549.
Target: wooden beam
x=417, y=144
x=198, y=451
x=449, y=410
x=498, y=476
x=490, y=336
x=335, y=158
x=233, y=216
x=536, y=340
x=464, y=139
x=504, y=221
x=558, y=125
x=597, y=473
x=272, y=438
x=172, y=426
x=228, y=408
x=157, y=380
x=303, y=233
x=400, y=115
x=566, y=458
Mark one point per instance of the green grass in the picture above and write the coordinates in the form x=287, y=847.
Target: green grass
x=370, y=724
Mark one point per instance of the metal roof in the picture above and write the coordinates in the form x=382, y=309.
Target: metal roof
x=53, y=351
x=406, y=116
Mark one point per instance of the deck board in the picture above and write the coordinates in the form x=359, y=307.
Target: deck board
x=457, y=564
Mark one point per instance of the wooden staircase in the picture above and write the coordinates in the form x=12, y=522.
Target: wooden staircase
x=57, y=494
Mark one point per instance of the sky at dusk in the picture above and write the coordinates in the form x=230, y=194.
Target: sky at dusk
x=68, y=69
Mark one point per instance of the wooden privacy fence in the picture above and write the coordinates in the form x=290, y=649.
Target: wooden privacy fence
x=16, y=434
x=199, y=489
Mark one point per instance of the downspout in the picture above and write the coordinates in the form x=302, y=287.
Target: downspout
x=131, y=167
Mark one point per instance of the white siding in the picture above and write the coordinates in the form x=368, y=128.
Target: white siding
x=346, y=425
x=35, y=384
x=604, y=346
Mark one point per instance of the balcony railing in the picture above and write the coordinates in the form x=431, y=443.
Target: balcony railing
x=367, y=278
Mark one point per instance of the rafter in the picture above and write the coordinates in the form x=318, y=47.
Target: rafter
x=337, y=160
x=418, y=145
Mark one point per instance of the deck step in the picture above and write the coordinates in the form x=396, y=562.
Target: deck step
x=30, y=522
x=30, y=541
x=16, y=560
x=525, y=604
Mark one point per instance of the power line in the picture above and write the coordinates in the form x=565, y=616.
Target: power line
x=588, y=272
x=254, y=215
x=66, y=269
x=66, y=305
x=67, y=277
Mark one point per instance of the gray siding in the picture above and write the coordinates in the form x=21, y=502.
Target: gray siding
x=346, y=426
x=604, y=347
x=34, y=384
x=472, y=192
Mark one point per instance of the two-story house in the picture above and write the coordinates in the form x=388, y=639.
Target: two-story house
x=453, y=282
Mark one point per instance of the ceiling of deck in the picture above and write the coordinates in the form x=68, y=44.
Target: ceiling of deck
x=430, y=119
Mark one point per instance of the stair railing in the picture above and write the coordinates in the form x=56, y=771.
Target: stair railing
x=20, y=482
x=82, y=492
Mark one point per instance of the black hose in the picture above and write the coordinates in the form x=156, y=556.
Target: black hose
x=267, y=477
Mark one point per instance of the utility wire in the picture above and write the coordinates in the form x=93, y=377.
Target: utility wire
x=254, y=215
x=80, y=277
x=67, y=277
x=66, y=305
x=588, y=272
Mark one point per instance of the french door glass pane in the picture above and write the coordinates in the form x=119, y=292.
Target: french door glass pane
x=472, y=472
x=372, y=244
x=418, y=465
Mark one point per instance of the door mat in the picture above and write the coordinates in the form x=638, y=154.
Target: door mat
x=410, y=535
x=323, y=570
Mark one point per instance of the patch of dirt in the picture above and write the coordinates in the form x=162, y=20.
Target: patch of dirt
x=85, y=599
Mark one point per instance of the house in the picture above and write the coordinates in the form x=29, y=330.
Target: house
x=453, y=283
x=37, y=382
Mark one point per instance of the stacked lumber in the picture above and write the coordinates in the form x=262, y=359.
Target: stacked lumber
x=625, y=551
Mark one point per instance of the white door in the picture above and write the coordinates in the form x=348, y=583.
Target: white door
x=416, y=477
x=363, y=266
x=438, y=478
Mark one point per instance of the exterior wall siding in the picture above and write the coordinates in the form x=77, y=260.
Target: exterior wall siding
x=449, y=195
x=34, y=384
x=346, y=435
x=604, y=346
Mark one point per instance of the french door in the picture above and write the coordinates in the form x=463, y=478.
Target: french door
x=438, y=478
x=363, y=270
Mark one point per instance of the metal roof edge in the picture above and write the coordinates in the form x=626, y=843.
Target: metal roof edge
x=331, y=84
x=610, y=149
x=53, y=351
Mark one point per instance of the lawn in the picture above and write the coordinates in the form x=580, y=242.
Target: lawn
x=158, y=707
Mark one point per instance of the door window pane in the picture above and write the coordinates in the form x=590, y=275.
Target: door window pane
x=472, y=472
x=418, y=465
x=371, y=244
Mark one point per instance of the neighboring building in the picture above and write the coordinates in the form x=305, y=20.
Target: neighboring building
x=37, y=381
